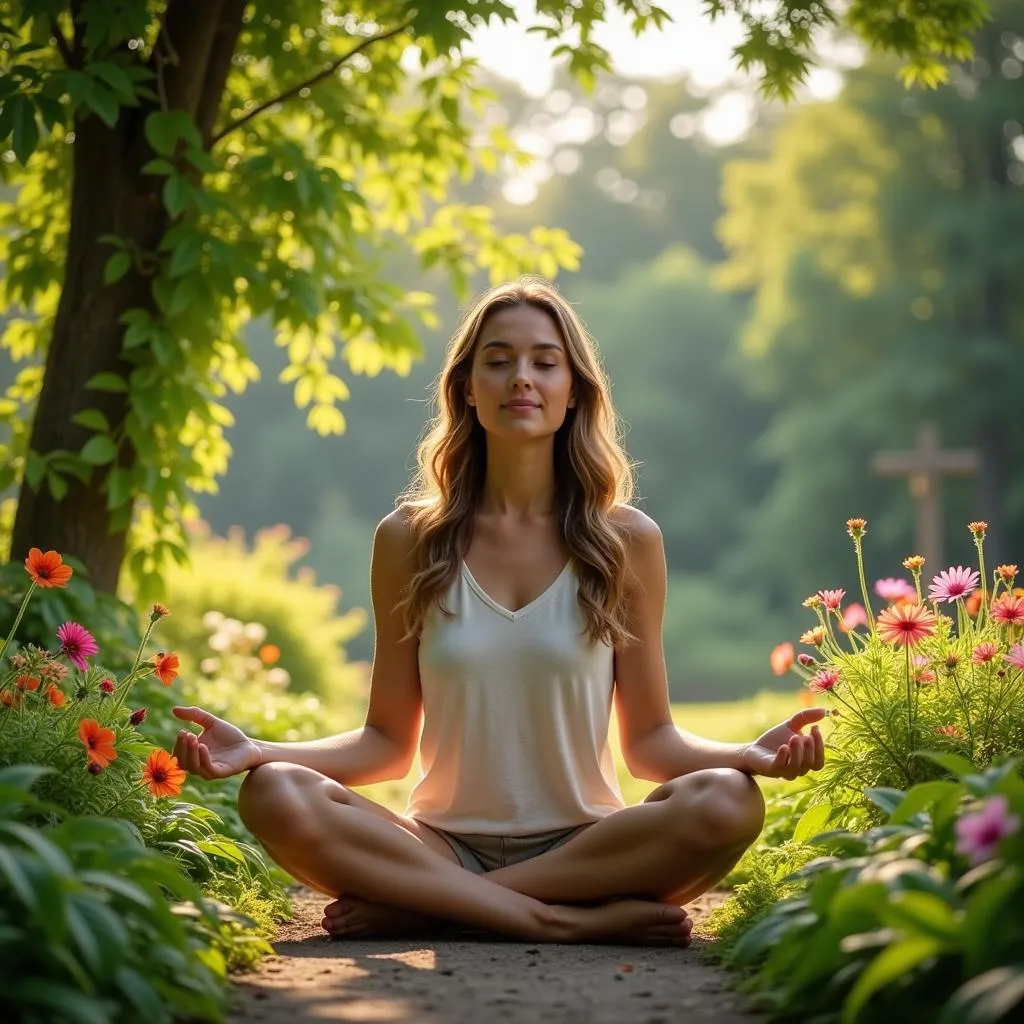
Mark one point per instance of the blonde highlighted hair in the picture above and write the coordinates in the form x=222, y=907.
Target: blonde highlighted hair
x=592, y=473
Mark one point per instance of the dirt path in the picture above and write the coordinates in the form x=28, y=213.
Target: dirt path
x=464, y=982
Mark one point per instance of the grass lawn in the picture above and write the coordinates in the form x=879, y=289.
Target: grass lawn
x=729, y=721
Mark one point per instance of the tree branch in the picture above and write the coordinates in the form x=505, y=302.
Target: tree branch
x=67, y=54
x=310, y=82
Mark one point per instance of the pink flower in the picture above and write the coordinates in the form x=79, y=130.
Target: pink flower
x=831, y=599
x=979, y=833
x=1016, y=656
x=781, y=658
x=906, y=624
x=76, y=644
x=824, y=680
x=107, y=687
x=953, y=584
x=892, y=589
x=983, y=653
x=1008, y=610
x=854, y=615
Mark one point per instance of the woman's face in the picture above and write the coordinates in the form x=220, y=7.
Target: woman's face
x=521, y=381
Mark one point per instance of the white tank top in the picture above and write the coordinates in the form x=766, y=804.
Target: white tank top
x=516, y=707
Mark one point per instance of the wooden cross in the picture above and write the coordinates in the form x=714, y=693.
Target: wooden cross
x=925, y=466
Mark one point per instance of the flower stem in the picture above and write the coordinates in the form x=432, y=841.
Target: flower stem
x=120, y=800
x=910, y=708
x=17, y=621
x=130, y=678
x=864, y=585
x=983, y=610
x=967, y=712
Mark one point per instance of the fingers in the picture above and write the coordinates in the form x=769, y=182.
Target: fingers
x=819, y=749
x=193, y=756
x=806, y=716
x=197, y=715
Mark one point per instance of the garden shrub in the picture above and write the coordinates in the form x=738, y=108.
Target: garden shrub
x=260, y=586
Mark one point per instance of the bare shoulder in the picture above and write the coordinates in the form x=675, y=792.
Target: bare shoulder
x=393, y=537
x=641, y=531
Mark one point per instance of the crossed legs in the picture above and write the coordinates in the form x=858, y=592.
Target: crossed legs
x=621, y=879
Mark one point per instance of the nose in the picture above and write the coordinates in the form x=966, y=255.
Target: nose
x=521, y=380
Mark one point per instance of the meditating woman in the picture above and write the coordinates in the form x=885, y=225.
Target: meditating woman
x=516, y=594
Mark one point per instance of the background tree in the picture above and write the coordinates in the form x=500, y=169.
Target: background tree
x=184, y=167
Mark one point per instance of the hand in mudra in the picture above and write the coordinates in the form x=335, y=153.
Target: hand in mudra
x=784, y=752
x=219, y=751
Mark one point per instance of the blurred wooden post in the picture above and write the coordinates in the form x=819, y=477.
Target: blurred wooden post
x=925, y=467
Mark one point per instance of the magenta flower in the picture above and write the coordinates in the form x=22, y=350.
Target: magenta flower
x=1015, y=656
x=824, y=680
x=953, y=584
x=978, y=834
x=892, y=589
x=831, y=599
x=76, y=644
x=983, y=653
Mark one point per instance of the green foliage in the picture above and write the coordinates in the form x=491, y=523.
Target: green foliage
x=286, y=608
x=910, y=918
x=87, y=933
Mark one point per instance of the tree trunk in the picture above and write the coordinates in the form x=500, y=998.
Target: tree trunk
x=109, y=195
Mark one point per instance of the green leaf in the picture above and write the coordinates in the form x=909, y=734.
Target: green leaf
x=35, y=470
x=25, y=129
x=91, y=418
x=222, y=848
x=72, y=1005
x=925, y=913
x=114, y=77
x=164, y=128
x=186, y=256
x=955, y=764
x=889, y=966
x=58, y=486
x=884, y=797
x=119, y=488
x=922, y=796
x=107, y=382
x=811, y=822
x=176, y=194
x=13, y=868
x=99, y=450
x=117, y=266
x=987, y=998
x=103, y=103
x=158, y=166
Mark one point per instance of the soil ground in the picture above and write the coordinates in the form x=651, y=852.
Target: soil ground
x=466, y=981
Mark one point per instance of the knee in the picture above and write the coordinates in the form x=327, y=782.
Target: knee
x=279, y=802
x=723, y=807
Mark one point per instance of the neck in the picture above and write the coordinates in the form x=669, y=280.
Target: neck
x=520, y=479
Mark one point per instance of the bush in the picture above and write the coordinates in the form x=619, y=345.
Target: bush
x=87, y=934
x=258, y=586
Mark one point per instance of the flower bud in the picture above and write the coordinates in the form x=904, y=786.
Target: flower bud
x=107, y=687
x=915, y=563
x=806, y=660
x=856, y=528
x=94, y=768
x=158, y=612
x=138, y=716
x=978, y=528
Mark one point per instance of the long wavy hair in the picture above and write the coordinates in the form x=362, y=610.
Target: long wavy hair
x=592, y=473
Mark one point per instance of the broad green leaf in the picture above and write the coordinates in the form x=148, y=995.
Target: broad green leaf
x=91, y=418
x=103, y=103
x=164, y=129
x=176, y=194
x=889, y=966
x=955, y=764
x=99, y=450
x=885, y=798
x=107, y=382
x=924, y=913
x=923, y=796
x=117, y=266
x=58, y=486
x=811, y=822
x=24, y=127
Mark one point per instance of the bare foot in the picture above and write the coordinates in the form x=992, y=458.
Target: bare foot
x=350, y=917
x=630, y=922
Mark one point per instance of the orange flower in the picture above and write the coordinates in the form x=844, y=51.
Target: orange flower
x=165, y=667
x=814, y=637
x=47, y=570
x=1007, y=573
x=269, y=653
x=973, y=603
x=56, y=697
x=856, y=528
x=27, y=683
x=906, y=624
x=978, y=528
x=915, y=563
x=99, y=742
x=781, y=658
x=158, y=612
x=162, y=774
x=949, y=730
x=9, y=699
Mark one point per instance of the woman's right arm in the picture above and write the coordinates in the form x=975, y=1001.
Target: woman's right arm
x=384, y=746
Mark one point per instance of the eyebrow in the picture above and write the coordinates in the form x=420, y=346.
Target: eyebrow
x=550, y=346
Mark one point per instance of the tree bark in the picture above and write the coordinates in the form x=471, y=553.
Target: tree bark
x=109, y=194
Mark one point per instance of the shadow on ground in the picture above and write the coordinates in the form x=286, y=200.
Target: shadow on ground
x=313, y=978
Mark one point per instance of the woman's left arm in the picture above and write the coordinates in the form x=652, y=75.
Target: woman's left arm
x=653, y=747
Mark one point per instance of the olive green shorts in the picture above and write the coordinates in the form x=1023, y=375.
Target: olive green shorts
x=483, y=853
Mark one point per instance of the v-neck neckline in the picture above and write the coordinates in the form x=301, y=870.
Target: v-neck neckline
x=519, y=613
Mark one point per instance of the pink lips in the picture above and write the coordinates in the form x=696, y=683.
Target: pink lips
x=520, y=405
